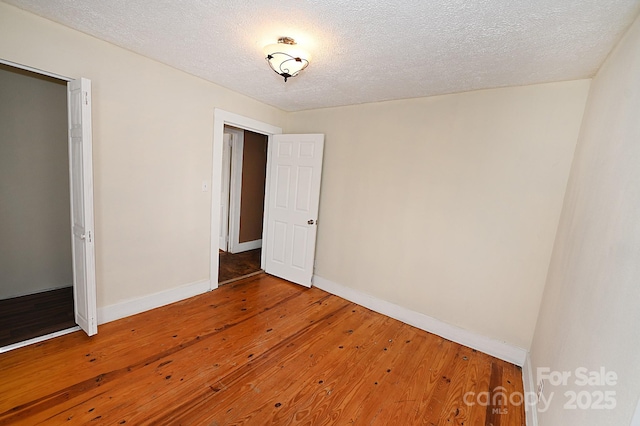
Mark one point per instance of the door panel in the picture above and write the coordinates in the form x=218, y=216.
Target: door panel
x=81, y=182
x=292, y=207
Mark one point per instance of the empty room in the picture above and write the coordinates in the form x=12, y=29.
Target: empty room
x=443, y=196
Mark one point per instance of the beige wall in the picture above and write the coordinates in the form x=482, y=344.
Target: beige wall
x=152, y=135
x=35, y=226
x=590, y=315
x=448, y=205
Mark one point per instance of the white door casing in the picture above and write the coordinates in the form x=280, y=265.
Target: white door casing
x=81, y=187
x=224, y=193
x=292, y=206
x=235, y=188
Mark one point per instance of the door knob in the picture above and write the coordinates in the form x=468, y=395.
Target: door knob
x=310, y=222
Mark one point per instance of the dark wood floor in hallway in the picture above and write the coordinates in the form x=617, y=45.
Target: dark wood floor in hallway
x=25, y=317
x=258, y=351
x=236, y=265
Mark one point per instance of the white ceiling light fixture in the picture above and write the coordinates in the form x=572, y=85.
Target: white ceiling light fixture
x=286, y=58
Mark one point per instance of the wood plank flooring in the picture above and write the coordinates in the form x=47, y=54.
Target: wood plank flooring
x=25, y=317
x=258, y=351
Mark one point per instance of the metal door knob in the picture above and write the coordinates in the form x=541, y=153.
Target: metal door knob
x=310, y=222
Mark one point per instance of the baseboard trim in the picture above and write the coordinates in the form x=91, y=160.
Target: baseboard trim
x=498, y=349
x=141, y=304
x=43, y=290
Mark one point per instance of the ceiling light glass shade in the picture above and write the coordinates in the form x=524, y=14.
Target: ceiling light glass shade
x=286, y=58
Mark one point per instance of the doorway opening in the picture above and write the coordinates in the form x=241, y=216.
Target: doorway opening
x=221, y=119
x=36, y=267
x=292, y=195
x=243, y=185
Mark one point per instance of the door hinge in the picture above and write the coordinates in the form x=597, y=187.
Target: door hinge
x=86, y=98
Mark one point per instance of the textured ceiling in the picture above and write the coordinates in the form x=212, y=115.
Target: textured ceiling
x=363, y=50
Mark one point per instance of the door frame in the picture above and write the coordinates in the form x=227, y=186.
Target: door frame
x=36, y=70
x=235, y=188
x=225, y=194
x=220, y=119
x=234, y=212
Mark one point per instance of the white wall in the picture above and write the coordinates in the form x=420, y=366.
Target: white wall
x=35, y=230
x=152, y=134
x=448, y=205
x=590, y=315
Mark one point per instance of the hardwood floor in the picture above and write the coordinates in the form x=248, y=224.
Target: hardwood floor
x=25, y=317
x=235, y=265
x=259, y=351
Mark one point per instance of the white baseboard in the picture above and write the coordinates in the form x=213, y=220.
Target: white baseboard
x=496, y=348
x=152, y=301
x=530, y=388
x=246, y=246
x=31, y=293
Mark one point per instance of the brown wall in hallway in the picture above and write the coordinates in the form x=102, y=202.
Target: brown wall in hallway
x=254, y=171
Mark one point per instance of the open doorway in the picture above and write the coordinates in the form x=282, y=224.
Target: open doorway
x=70, y=204
x=244, y=170
x=36, y=267
x=292, y=195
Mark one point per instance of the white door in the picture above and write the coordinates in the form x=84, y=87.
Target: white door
x=292, y=206
x=224, y=192
x=81, y=182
